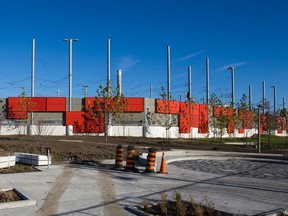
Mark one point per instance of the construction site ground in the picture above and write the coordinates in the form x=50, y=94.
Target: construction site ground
x=235, y=178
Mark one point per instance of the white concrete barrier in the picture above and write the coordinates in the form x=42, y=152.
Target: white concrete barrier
x=32, y=159
x=7, y=161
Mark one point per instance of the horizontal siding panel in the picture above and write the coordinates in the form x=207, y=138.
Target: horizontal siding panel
x=56, y=104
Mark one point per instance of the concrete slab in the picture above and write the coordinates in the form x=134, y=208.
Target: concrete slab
x=100, y=190
x=26, y=201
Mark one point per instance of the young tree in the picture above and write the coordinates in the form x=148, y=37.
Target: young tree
x=164, y=118
x=108, y=106
x=271, y=124
x=222, y=116
x=284, y=116
x=244, y=118
x=25, y=107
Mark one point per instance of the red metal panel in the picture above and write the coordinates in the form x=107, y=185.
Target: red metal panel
x=134, y=105
x=16, y=108
x=167, y=106
x=89, y=101
x=13, y=103
x=72, y=116
x=246, y=117
x=241, y=130
x=36, y=104
x=56, y=104
x=17, y=115
x=230, y=127
x=95, y=124
x=194, y=117
x=184, y=117
x=203, y=119
x=76, y=119
x=84, y=123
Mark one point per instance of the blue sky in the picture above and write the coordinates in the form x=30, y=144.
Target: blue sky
x=249, y=34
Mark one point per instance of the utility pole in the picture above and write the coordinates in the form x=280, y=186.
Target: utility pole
x=108, y=68
x=263, y=96
x=70, y=70
x=207, y=82
x=250, y=97
x=168, y=74
x=85, y=90
x=119, y=81
x=33, y=76
x=274, y=91
x=232, y=81
x=259, y=128
x=189, y=84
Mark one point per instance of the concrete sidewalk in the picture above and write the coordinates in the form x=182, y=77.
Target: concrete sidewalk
x=99, y=190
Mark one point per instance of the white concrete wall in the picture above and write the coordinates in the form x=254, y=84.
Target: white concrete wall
x=133, y=131
x=12, y=130
x=160, y=132
x=53, y=130
x=46, y=130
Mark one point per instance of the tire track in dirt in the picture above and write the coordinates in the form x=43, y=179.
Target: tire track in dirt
x=108, y=195
x=59, y=186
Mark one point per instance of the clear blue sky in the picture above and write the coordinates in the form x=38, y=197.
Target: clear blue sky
x=252, y=35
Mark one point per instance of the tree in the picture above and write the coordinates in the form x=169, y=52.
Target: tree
x=164, y=118
x=284, y=116
x=222, y=116
x=244, y=118
x=108, y=106
x=271, y=124
x=25, y=106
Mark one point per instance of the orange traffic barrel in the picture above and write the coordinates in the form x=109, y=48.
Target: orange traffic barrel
x=130, y=159
x=119, y=157
x=151, y=159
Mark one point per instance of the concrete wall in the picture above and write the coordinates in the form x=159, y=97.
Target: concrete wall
x=160, y=132
x=133, y=131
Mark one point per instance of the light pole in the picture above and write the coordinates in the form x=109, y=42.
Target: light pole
x=259, y=126
x=274, y=91
x=232, y=80
x=70, y=70
x=85, y=90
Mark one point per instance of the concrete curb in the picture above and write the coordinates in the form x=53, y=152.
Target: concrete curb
x=21, y=203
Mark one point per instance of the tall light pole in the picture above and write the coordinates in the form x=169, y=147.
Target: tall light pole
x=232, y=80
x=85, y=90
x=70, y=70
x=189, y=84
x=250, y=97
x=207, y=82
x=259, y=128
x=274, y=91
x=168, y=74
x=32, y=75
x=263, y=97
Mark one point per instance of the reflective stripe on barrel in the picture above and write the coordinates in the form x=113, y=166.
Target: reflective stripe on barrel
x=151, y=159
x=130, y=159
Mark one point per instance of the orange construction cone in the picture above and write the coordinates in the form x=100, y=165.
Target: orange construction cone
x=163, y=165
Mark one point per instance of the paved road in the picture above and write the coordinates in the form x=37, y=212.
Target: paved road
x=262, y=169
x=235, y=186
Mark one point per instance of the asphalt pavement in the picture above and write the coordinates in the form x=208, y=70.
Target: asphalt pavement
x=245, y=184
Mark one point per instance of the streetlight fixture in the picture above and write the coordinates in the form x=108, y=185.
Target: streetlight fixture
x=232, y=80
x=274, y=91
x=70, y=70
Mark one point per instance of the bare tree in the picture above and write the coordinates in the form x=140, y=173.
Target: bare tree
x=164, y=119
x=107, y=106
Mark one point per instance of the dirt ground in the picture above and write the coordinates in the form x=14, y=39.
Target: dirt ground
x=93, y=148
